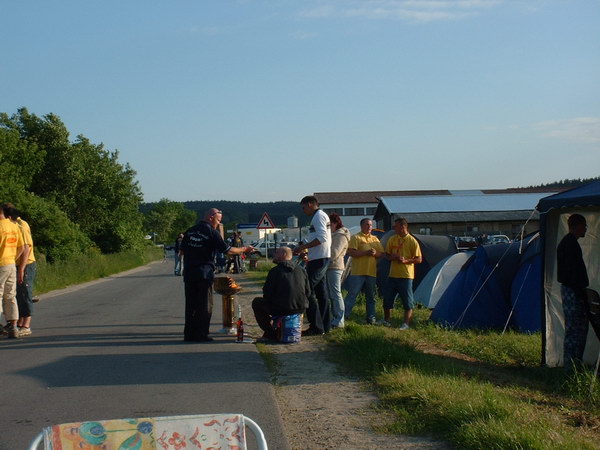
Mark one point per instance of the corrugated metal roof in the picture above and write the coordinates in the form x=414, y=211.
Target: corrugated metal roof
x=462, y=203
x=466, y=216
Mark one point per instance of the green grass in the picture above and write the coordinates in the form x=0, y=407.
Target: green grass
x=472, y=388
x=90, y=266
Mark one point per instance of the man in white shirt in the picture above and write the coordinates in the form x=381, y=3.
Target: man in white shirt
x=319, y=252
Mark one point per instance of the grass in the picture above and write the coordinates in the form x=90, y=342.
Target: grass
x=90, y=266
x=472, y=388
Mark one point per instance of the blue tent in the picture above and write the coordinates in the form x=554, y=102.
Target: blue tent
x=479, y=295
x=526, y=291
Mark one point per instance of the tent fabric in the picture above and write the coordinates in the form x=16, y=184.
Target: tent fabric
x=437, y=280
x=526, y=304
x=479, y=295
x=554, y=212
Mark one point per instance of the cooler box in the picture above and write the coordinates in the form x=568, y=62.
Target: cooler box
x=288, y=328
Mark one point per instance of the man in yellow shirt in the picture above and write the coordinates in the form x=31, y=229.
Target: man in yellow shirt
x=11, y=247
x=404, y=252
x=26, y=269
x=364, y=249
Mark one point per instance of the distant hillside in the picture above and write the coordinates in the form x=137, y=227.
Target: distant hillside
x=240, y=212
x=566, y=183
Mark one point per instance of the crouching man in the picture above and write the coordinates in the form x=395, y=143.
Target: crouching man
x=285, y=292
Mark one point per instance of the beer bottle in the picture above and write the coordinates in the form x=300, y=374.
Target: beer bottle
x=240, y=326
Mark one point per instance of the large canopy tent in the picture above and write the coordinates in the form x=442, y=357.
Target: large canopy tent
x=554, y=212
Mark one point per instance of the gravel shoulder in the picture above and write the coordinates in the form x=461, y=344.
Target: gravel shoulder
x=320, y=407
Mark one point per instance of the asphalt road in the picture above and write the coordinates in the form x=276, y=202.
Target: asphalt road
x=114, y=349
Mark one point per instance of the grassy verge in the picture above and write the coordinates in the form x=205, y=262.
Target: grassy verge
x=472, y=388
x=87, y=267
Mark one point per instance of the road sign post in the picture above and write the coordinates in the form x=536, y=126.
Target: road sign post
x=265, y=223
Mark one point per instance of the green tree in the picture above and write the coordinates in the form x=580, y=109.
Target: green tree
x=167, y=219
x=83, y=179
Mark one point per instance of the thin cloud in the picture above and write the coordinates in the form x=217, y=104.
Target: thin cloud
x=421, y=11
x=581, y=129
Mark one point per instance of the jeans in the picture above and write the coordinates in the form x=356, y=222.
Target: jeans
x=356, y=284
x=25, y=291
x=401, y=287
x=318, y=311
x=334, y=280
x=177, y=264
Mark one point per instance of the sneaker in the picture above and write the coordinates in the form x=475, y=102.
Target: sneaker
x=384, y=322
x=404, y=326
x=24, y=331
x=371, y=320
x=35, y=299
x=13, y=332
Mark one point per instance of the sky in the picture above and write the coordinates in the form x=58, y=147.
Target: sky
x=257, y=100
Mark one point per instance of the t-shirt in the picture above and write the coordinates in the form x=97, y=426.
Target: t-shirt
x=407, y=247
x=11, y=239
x=364, y=265
x=320, y=228
x=27, y=239
x=570, y=267
x=200, y=246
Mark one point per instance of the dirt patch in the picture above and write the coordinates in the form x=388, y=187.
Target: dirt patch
x=320, y=407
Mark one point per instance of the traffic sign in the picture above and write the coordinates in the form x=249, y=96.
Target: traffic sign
x=265, y=222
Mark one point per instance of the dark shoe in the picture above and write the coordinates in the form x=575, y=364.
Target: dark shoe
x=312, y=332
x=267, y=337
x=13, y=332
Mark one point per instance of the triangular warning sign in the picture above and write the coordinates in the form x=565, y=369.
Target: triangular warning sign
x=265, y=222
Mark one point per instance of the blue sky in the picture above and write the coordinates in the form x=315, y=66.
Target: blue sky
x=257, y=100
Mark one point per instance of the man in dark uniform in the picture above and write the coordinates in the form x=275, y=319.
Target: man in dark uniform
x=199, y=247
x=572, y=275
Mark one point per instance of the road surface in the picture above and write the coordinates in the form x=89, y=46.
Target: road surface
x=114, y=349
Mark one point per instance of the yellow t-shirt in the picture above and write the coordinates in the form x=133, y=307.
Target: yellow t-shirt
x=27, y=239
x=406, y=246
x=364, y=265
x=11, y=239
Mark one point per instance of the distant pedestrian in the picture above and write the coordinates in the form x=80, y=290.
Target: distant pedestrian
x=178, y=258
x=199, y=247
x=319, y=251
x=340, y=237
x=403, y=250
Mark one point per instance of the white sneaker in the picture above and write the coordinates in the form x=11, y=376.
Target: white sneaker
x=384, y=322
x=24, y=331
x=404, y=326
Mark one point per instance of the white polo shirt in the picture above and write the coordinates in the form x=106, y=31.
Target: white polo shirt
x=320, y=228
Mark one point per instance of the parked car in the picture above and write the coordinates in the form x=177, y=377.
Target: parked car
x=498, y=239
x=465, y=242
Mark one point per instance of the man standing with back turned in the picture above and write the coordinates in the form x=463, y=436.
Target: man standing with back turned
x=199, y=247
x=572, y=275
x=319, y=252
x=11, y=247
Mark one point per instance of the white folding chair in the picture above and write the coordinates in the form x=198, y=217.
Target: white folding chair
x=160, y=433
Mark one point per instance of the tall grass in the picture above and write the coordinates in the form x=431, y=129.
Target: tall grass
x=473, y=388
x=89, y=266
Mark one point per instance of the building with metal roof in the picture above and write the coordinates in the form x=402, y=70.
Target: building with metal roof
x=463, y=213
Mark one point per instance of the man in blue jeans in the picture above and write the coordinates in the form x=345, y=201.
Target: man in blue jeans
x=364, y=248
x=319, y=252
x=404, y=252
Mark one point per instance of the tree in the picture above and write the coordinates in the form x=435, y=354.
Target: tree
x=167, y=219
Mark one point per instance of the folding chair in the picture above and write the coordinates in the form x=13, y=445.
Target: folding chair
x=225, y=431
